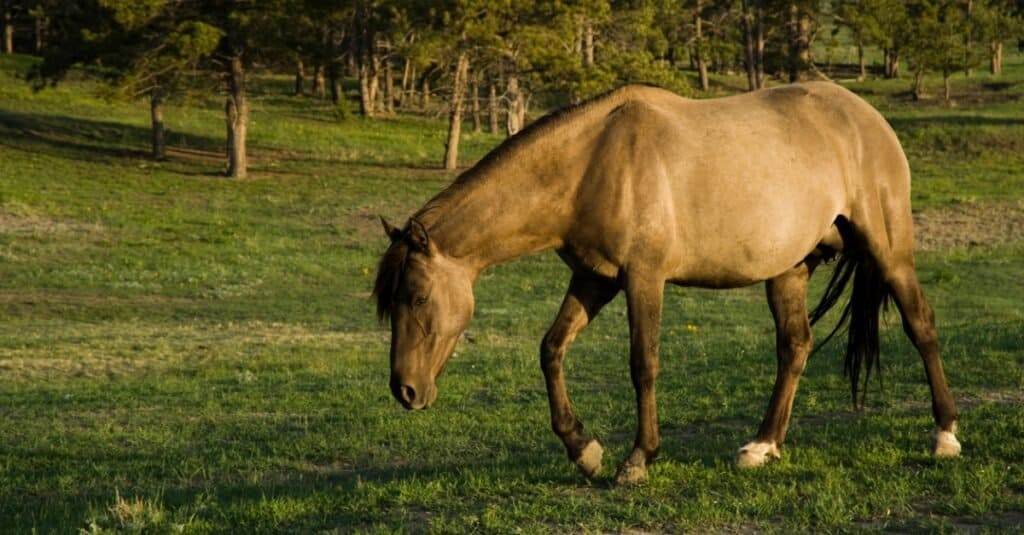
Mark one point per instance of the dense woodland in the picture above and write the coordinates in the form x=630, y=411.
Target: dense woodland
x=491, y=61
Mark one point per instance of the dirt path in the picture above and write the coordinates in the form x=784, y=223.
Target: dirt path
x=968, y=224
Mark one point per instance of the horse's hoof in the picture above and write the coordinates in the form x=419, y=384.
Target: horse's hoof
x=589, y=460
x=756, y=454
x=631, y=474
x=946, y=444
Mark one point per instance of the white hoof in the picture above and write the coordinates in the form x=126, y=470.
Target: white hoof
x=946, y=444
x=589, y=460
x=631, y=475
x=756, y=454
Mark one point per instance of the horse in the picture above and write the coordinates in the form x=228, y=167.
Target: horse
x=640, y=187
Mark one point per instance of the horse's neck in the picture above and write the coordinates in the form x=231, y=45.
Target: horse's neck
x=522, y=201
x=511, y=211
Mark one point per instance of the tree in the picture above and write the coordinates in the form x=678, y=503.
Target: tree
x=998, y=21
x=753, y=42
x=139, y=48
x=7, y=22
x=939, y=39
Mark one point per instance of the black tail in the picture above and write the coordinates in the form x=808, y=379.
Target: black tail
x=860, y=315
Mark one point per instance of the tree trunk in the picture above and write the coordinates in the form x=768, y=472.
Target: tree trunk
x=8, y=22
x=365, y=100
x=237, y=112
x=406, y=72
x=492, y=108
x=300, y=77
x=945, y=86
x=318, y=81
x=892, y=63
x=759, y=43
x=451, y=148
x=917, y=91
x=588, y=42
x=369, y=68
x=698, y=47
x=156, y=116
x=475, y=104
x=389, y=85
x=799, y=42
x=42, y=23
x=862, y=73
x=753, y=40
x=996, y=59
x=513, y=117
x=425, y=100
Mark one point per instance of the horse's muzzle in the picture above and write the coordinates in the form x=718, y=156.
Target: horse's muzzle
x=411, y=397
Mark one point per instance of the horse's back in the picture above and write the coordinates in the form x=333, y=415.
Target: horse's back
x=725, y=192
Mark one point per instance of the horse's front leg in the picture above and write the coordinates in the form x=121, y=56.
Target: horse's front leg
x=644, y=301
x=584, y=299
x=787, y=299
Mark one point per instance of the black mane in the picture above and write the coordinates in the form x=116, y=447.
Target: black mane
x=389, y=274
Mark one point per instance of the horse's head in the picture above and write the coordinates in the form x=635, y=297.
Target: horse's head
x=429, y=300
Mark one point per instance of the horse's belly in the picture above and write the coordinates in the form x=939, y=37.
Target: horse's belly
x=734, y=254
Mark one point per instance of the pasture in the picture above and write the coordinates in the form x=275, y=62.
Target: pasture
x=180, y=352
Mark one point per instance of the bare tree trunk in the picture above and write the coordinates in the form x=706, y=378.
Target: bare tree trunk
x=365, y=102
x=318, y=81
x=389, y=84
x=237, y=115
x=917, y=91
x=156, y=116
x=759, y=42
x=369, y=68
x=892, y=63
x=374, y=79
x=425, y=97
x=8, y=16
x=698, y=47
x=492, y=108
x=753, y=40
x=42, y=23
x=945, y=86
x=406, y=72
x=799, y=41
x=588, y=42
x=968, y=41
x=300, y=77
x=513, y=118
x=862, y=73
x=996, y=59
x=451, y=148
x=475, y=104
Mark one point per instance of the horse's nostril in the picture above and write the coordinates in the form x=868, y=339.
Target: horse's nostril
x=408, y=394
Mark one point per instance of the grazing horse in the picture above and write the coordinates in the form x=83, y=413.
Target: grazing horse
x=640, y=187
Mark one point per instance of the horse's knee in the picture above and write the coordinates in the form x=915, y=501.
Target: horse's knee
x=794, y=348
x=551, y=353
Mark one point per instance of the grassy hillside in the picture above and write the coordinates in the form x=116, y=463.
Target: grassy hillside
x=184, y=353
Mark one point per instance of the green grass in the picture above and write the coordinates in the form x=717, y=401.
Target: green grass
x=183, y=352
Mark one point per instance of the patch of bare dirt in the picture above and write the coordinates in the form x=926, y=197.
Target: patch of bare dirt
x=20, y=220
x=969, y=224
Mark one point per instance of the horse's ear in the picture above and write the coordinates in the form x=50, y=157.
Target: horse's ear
x=419, y=238
x=392, y=231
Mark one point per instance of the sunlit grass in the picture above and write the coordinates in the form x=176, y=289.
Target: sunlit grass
x=180, y=352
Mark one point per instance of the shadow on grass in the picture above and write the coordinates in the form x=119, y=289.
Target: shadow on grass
x=948, y=119
x=95, y=141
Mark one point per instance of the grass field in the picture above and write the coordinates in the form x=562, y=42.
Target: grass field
x=180, y=352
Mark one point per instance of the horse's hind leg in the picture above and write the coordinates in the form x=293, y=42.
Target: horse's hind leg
x=586, y=296
x=787, y=299
x=919, y=324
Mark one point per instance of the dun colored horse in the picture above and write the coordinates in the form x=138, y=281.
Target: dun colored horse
x=640, y=187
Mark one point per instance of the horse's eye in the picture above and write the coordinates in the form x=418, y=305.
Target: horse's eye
x=420, y=301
